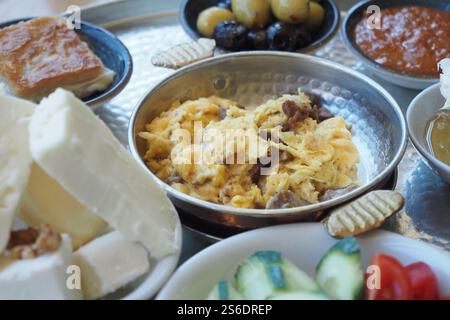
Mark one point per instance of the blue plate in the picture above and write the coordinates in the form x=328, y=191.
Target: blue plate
x=190, y=9
x=110, y=50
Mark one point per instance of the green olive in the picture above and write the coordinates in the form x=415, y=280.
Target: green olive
x=209, y=18
x=316, y=16
x=290, y=11
x=251, y=13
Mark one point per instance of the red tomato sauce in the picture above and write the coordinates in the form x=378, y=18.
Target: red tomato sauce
x=411, y=40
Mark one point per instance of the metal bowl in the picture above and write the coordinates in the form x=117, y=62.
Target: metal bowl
x=251, y=78
x=211, y=232
x=190, y=9
x=356, y=14
x=421, y=109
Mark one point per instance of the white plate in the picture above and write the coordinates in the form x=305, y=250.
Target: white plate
x=148, y=285
x=304, y=244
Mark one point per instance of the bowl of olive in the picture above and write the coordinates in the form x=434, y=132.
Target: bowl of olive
x=282, y=25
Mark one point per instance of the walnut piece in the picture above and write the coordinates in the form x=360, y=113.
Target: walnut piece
x=31, y=243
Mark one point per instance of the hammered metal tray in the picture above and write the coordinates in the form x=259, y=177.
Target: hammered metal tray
x=147, y=27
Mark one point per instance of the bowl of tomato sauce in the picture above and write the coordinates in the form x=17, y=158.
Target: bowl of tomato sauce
x=400, y=41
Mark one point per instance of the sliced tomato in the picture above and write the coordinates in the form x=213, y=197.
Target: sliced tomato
x=423, y=281
x=394, y=280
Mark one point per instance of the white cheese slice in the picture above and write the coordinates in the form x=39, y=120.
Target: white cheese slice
x=444, y=65
x=15, y=159
x=109, y=263
x=44, y=277
x=78, y=150
x=46, y=202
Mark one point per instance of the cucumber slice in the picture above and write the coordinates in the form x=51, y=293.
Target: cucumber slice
x=267, y=272
x=298, y=295
x=224, y=291
x=339, y=273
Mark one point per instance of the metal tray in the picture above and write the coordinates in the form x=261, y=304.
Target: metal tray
x=147, y=27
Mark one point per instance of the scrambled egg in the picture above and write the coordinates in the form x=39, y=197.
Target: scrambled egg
x=226, y=165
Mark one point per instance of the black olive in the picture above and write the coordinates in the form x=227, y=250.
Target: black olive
x=282, y=36
x=258, y=39
x=226, y=4
x=231, y=35
x=303, y=37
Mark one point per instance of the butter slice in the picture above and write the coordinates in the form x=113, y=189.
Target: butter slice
x=15, y=159
x=78, y=150
x=46, y=202
x=109, y=263
x=41, y=278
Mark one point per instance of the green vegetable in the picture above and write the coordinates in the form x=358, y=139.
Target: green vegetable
x=339, y=273
x=266, y=273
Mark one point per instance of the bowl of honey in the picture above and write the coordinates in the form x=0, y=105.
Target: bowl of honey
x=429, y=129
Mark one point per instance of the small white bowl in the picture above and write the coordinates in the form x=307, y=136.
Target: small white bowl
x=421, y=109
x=304, y=244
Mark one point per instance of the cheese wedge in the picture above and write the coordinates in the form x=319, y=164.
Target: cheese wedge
x=109, y=263
x=78, y=150
x=44, y=277
x=46, y=202
x=15, y=159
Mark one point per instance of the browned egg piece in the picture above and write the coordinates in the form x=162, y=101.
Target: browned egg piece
x=438, y=136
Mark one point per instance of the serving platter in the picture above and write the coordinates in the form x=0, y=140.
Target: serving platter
x=150, y=27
